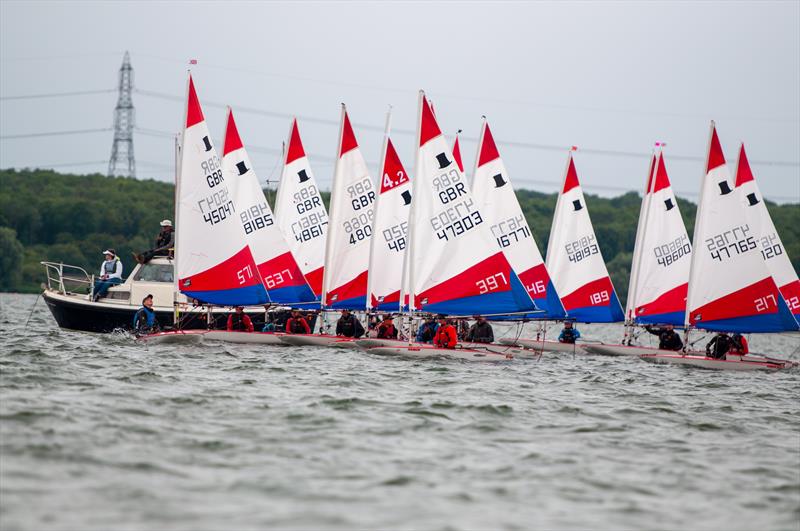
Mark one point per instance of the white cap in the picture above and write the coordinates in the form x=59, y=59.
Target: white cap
x=109, y=251
x=166, y=223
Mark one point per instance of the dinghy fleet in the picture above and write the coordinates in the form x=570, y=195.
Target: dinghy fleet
x=429, y=242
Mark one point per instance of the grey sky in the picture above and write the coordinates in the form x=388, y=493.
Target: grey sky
x=612, y=76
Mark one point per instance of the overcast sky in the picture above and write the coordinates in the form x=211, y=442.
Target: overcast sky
x=609, y=77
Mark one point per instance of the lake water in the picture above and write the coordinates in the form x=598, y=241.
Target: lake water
x=99, y=432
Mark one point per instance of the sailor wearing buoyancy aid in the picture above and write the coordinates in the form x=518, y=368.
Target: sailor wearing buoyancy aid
x=110, y=274
x=145, y=322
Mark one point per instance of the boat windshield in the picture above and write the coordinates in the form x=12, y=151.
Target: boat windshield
x=154, y=273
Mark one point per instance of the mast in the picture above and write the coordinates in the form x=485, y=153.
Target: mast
x=331, y=214
x=415, y=188
x=381, y=164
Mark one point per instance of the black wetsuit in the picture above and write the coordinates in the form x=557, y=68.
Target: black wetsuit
x=719, y=346
x=667, y=339
x=349, y=327
x=481, y=333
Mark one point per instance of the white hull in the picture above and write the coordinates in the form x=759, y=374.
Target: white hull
x=311, y=340
x=711, y=363
x=601, y=349
x=544, y=346
x=173, y=337
x=261, y=338
x=434, y=352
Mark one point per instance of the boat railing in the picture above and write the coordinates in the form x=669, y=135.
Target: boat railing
x=67, y=279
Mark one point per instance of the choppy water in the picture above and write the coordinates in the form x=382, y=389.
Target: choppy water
x=98, y=432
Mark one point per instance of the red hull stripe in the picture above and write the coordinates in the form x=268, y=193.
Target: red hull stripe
x=281, y=272
x=715, y=156
x=314, y=279
x=488, y=148
x=457, y=154
x=672, y=301
x=662, y=180
x=232, y=140
x=394, y=174
x=743, y=172
x=595, y=293
x=348, y=137
x=572, y=177
x=194, y=114
x=349, y=290
x=468, y=282
x=428, y=128
x=295, y=150
x=226, y=275
x=759, y=298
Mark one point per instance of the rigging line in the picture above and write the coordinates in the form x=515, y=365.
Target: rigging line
x=56, y=133
x=510, y=143
x=57, y=94
x=63, y=164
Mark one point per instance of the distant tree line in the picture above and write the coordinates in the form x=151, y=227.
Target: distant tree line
x=46, y=215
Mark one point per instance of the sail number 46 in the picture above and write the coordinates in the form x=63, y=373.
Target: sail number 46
x=491, y=283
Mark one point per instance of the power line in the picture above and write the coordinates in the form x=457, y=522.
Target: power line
x=56, y=133
x=56, y=94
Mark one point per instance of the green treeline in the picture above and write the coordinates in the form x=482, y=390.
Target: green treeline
x=46, y=215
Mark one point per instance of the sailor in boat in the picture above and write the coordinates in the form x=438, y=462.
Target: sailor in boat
x=297, y=324
x=463, y=329
x=668, y=339
x=349, y=326
x=239, y=321
x=165, y=242
x=387, y=330
x=110, y=274
x=739, y=345
x=145, y=321
x=427, y=330
x=270, y=324
x=481, y=331
x=446, y=336
x=719, y=346
x=569, y=334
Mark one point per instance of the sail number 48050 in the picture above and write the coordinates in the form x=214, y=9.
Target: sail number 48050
x=491, y=283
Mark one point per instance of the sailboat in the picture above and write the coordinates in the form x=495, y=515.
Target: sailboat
x=659, y=276
x=347, y=250
x=731, y=287
x=455, y=266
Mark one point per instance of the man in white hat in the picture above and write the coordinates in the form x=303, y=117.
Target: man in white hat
x=110, y=274
x=165, y=241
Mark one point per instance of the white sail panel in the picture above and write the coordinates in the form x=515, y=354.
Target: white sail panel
x=350, y=229
x=638, y=244
x=215, y=264
x=300, y=212
x=494, y=195
x=574, y=259
x=282, y=278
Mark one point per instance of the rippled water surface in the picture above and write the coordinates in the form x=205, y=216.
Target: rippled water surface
x=99, y=432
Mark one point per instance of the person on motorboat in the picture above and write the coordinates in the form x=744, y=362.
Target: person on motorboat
x=297, y=324
x=446, y=336
x=349, y=326
x=145, y=321
x=719, y=346
x=569, y=334
x=668, y=339
x=739, y=345
x=481, y=331
x=165, y=242
x=110, y=274
x=387, y=330
x=427, y=330
x=239, y=321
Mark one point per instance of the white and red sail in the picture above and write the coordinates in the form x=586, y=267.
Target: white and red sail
x=769, y=241
x=214, y=262
x=730, y=286
x=350, y=229
x=457, y=154
x=300, y=212
x=494, y=195
x=283, y=280
x=455, y=266
x=574, y=259
x=638, y=244
x=662, y=256
x=390, y=239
